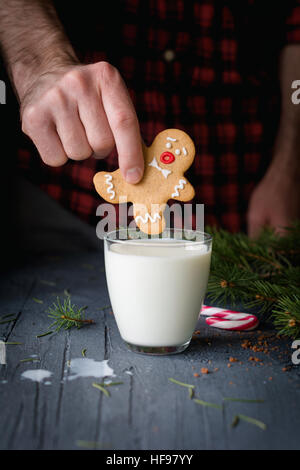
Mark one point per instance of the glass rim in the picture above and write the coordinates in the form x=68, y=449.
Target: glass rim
x=207, y=238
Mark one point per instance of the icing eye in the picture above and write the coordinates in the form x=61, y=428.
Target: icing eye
x=168, y=145
x=167, y=157
x=184, y=150
x=177, y=151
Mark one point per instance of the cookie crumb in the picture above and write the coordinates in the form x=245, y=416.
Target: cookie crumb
x=233, y=359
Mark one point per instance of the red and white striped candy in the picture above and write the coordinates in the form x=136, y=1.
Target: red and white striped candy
x=229, y=319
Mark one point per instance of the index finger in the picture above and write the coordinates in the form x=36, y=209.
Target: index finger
x=124, y=124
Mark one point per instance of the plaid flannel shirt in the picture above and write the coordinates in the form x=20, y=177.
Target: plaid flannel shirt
x=207, y=67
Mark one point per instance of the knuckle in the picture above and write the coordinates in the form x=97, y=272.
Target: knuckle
x=78, y=156
x=107, y=71
x=54, y=162
x=124, y=119
x=77, y=149
x=74, y=81
x=103, y=146
x=30, y=118
x=54, y=96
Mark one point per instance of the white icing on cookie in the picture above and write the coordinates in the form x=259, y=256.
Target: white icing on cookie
x=168, y=145
x=177, y=187
x=171, y=138
x=177, y=151
x=108, y=179
x=163, y=171
x=184, y=151
x=148, y=217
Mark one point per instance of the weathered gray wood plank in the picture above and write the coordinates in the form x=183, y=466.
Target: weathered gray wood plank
x=146, y=411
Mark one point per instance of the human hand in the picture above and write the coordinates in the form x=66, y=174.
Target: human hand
x=275, y=202
x=75, y=111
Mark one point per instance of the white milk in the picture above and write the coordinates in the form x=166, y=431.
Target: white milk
x=156, y=290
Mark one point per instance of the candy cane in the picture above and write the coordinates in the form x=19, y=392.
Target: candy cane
x=229, y=319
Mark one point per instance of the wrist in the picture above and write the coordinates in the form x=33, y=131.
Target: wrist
x=284, y=167
x=25, y=72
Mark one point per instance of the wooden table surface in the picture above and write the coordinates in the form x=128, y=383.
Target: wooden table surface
x=147, y=411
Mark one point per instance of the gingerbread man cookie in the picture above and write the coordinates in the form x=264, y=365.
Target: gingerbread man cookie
x=170, y=155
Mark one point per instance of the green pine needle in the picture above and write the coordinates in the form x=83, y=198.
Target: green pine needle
x=102, y=388
x=7, y=321
x=208, y=404
x=181, y=383
x=89, y=444
x=242, y=400
x=44, y=334
x=30, y=359
x=248, y=419
x=11, y=343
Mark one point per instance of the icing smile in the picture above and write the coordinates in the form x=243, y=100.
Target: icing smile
x=167, y=157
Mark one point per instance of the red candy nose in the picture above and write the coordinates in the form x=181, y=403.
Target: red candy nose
x=167, y=157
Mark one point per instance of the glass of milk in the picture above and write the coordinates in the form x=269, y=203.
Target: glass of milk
x=157, y=286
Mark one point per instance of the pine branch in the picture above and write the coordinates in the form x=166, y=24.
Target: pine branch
x=287, y=316
x=262, y=274
x=67, y=315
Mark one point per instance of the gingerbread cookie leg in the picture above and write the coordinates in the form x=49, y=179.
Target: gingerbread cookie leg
x=149, y=218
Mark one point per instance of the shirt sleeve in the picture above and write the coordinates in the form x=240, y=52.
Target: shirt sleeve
x=292, y=25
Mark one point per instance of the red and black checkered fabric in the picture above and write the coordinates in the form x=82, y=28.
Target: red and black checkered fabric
x=220, y=86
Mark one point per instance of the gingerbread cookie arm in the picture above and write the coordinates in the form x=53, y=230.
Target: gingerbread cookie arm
x=105, y=186
x=183, y=191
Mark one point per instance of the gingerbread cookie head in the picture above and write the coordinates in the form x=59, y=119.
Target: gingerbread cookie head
x=170, y=155
x=174, y=150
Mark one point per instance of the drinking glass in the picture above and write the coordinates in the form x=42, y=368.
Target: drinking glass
x=157, y=286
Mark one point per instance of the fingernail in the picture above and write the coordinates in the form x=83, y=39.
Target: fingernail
x=133, y=175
